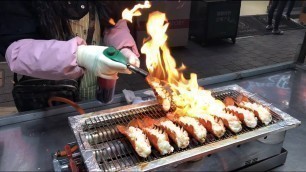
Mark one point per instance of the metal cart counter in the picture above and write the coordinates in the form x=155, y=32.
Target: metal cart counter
x=28, y=140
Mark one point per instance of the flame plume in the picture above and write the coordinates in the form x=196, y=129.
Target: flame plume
x=129, y=14
x=167, y=79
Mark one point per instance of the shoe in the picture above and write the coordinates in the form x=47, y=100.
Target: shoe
x=269, y=27
x=277, y=32
x=287, y=17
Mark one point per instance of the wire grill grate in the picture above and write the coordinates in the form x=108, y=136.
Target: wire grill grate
x=114, y=152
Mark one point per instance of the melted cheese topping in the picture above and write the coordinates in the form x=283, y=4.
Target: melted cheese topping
x=182, y=138
x=249, y=117
x=218, y=129
x=233, y=121
x=142, y=144
x=199, y=130
x=162, y=142
x=263, y=113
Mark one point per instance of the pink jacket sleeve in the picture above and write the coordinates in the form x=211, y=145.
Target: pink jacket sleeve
x=46, y=59
x=119, y=36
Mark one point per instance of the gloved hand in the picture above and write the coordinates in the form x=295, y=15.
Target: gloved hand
x=120, y=37
x=131, y=58
x=91, y=57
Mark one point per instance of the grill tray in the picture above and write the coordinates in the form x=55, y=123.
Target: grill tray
x=104, y=148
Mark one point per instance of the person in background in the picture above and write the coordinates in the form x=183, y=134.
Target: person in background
x=290, y=7
x=58, y=40
x=280, y=5
x=269, y=5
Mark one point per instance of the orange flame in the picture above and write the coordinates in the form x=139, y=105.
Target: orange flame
x=112, y=21
x=129, y=14
x=189, y=98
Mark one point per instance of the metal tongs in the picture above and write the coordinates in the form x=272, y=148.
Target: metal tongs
x=115, y=55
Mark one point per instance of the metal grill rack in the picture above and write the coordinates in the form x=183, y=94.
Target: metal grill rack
x=113, y=151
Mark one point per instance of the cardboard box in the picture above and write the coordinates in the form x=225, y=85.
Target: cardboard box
x=177, y=13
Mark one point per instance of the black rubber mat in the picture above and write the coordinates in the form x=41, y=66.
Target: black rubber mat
x=255, y=25
x=249, y=26
x=284, y=24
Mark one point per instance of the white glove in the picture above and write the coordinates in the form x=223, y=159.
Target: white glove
x=131, y=58
x=91, y=57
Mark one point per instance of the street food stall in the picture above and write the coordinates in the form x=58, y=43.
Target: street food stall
x=230, y=125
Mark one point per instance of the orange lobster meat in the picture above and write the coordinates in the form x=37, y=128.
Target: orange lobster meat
x=177, y=134
x=191, y=125
x=213, y=124
x=137, y=138
x=157, y=137
x=246, y=116
x=230, y=121
x=261, y=112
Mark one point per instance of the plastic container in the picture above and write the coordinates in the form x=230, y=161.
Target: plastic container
x=106, y=89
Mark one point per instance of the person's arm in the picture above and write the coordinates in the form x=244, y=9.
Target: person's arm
x=46, y=59
x=56, y=60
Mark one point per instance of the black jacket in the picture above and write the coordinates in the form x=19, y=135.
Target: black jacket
x=20, y=19
x=17, y=21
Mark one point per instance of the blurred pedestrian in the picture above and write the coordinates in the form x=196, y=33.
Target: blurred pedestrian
x=290, y=7
x=269, y=5
x=280, y=5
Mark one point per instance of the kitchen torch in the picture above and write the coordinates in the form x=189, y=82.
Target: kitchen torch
x=106, y=87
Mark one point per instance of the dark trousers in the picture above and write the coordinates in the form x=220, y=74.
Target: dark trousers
x=290, y=7
x=280, y=5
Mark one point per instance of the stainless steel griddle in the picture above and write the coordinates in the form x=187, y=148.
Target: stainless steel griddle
x=104, y=148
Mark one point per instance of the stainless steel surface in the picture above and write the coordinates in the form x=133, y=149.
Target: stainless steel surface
x=236, y=157
x=26, y=144
x=242, y=156
x=269, y=163
x=85, y=126
x=137, y=70
x=285, y=90
x=89, y=106
x=246, y=73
